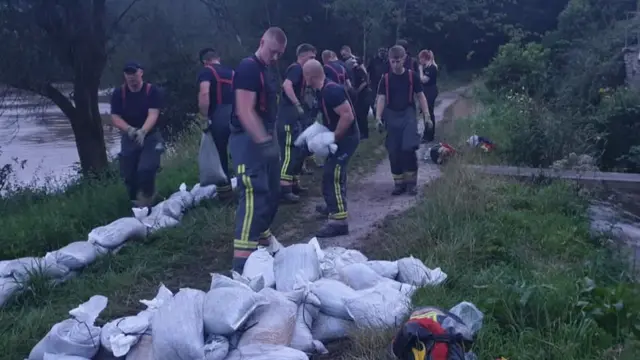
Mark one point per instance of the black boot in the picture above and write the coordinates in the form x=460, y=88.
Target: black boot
x=226, y=195
x=287, y=196
x=322, y=210
x=298, y=189
x=412, y=189
x=399, y=189
x=333, y=228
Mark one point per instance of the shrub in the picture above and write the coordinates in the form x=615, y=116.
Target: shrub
x=518, y=68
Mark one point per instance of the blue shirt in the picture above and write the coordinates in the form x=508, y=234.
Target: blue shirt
x=252, y=75
x=294, y=74
x=400, y=91
x=219, y=77
x=336, y=72
x=333, y=95
x=133, y=107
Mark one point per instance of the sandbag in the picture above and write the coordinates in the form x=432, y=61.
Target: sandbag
x=322, y=144
x=75, y=255
x=119, y=335
x=48, y=356
x=177, y=327
x=21, y=269
x=228, y=305
x=332, y=295
x=8, y=288
x=327, y=328
x=388, y=269
x=158, y=221
x=413, y=271
x=359, y=276
x=266, y=352
x=183, y=196
x=77, y=336
x=260, y=263
x=143, y=350
x=302, y=338
x=335, y=258
x=273, y=323
x=378, y=308
x=256, y=283
x=310, y=132
x=211, y=171
x=201, y=193
x=216, y=348
x=116, y=233
x=171, y=207
x=298, y=260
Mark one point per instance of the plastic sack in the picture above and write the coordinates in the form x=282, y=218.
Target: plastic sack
x=119, y=335
x=266, y=352
x=470, y=316
x=177, y=327
x=359, y=276
x=292, y=262
x=337, y=257
x=116, y=233
x=302, y=338
x=332, y=295
x=256, y=283
x=48, y=356
x=76, y=336
x=322, y=144
x=216, y=348
x=8, y=288
x=143, y=350
x=327, y=328
x=228, y=305
x=163, y=296
x=378, y=308
x=211, y=171
x=172, y=207
x=75, y=255
x=388, y=269
x=158, y=221
x=183, y=195
x=310, y=132
x=413, y=271
x=275, y=322
x=21, y=269
x=260, y=263
x=201, y=193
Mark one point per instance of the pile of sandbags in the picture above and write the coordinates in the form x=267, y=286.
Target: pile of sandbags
x=62, y=264
x=286, y=304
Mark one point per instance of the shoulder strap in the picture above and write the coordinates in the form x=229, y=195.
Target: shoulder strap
x=386, y=87
x=262, y=96
x=148, y=88
x=410, y=86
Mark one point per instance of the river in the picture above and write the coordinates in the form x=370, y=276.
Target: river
x=34, y=130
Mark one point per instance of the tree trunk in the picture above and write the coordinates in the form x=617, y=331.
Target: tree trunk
x=87, y=129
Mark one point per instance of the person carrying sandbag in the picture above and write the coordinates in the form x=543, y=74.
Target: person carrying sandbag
x=215, y=104
x=135, y=107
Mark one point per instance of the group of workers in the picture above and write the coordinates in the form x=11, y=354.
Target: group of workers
x=245, y=113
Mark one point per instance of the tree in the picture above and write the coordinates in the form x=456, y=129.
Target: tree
x=367, y=15
x=53, y=41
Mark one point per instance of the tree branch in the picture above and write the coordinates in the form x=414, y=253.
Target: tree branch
x=114, y=25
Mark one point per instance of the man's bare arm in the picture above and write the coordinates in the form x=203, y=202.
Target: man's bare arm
x=152, y=119
x=287, y=86
x=251, y=122
x=203, y=98
x=118, y=122
x=380, y=105
x=422, y=100
x=345, y=111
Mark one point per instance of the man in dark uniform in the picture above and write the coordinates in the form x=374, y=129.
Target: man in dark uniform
x=377, y=66
x=293, y=115
x=339, y=117
x=334, y=69
x=409, y=62
x=396, y=111
x=215, y=103
x=135, y=107
x=254, y=147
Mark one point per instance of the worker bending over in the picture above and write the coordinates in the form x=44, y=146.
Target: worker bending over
x=293, y=116
x=254, y=147
x=339, y=117
x=334, y=69
x=396, y=112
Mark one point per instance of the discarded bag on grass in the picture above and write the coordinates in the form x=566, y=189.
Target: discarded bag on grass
x=77, y=336
x=414, y=272
x=381, y=307
x=211, y=171
x=117, y=233
x=48, y=356
x=260, y=263
x=201, y=193
x=75, y=255
x=327, y=328
x=23, y=268
x=298, y=261
x=8, y=288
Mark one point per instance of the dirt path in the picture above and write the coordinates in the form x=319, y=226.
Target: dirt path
x=369, y=198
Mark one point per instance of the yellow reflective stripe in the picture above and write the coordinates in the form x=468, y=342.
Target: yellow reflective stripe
x=419, y=351
x=338, y=216
x=286, y=161
x=248, y=203
x=265, y=234
x=245, y=245
x=336, y=188
x=397, y=177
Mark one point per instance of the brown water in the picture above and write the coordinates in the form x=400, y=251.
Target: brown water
x=35, y=130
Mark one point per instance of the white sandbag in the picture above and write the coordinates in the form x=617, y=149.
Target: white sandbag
x=388, y=269
x=378, y=308
x=413, y=271
x=293, y=261
x=302, y=338
x=337, y=257
x=260, y=263
x=162, y=296
x=143, y=350
x=119, y=335
x=327, y=328
x=359, y=276
x=77, y=336
x=256, y=283
x=75, y=255
x=274, y=246
x=8, y=288
x=228, y=305
x=211, y=171
x=177, y=327
x=332, y=295
x=273, y=323
x=322, y=144
x=116, y=233
x=201, y=193
x=310, y=132
x=48, y=356
x=470, y=315
x=158, y=221
x=184, y=196
x=21, y=269
x=216, y=348
x=266, y=352
x=171, y=207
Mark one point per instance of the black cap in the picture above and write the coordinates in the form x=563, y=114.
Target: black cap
x=132, y=67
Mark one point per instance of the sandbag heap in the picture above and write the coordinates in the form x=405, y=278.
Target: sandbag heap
x=65, y=263
x=285, y=305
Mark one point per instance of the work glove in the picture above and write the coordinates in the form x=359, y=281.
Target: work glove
x=269, y=150
x=203, y=122
x=140, y=136
x=131, y=132
x=379, y=125
x=300, y=109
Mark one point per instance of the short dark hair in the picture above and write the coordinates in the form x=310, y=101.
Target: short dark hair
x=305, y=48
x=207, y=54
x=397, y=52
x=277, y=34
x=346, y=47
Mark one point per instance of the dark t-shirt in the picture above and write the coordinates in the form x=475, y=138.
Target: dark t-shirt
x=377, y=67
x=432, y=72
x=336, y=72
x=399, y=95
x=134, y=107
x=225, y=75
x=252, y=75
x=359, y=77
x=333, y=95
x=294, y=74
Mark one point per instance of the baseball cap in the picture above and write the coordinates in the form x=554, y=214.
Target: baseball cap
x=132, y=67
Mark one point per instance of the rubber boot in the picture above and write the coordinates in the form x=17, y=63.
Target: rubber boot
x=411, y=183
x=144, y=200
x=322, y=210
x=287, y=196
x=399, y=189
x=412, y=189
x=226, y=195
x=333, y=228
